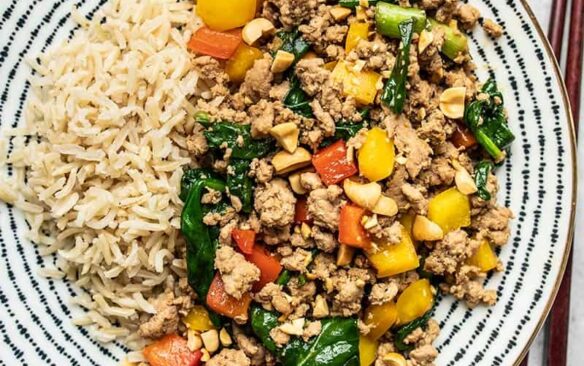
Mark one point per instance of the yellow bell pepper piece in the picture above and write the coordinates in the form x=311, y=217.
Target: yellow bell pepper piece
x=361, y=85
x=407, y=221
x=198, y=319
x=376, y=156
x=241, y=61
x=367, y=350
x=415, y=301
x=357, y=32
x=379, y=318
x=450, y=210
x=330, y=66
x=392, y=259
x=484, y=258
x=223, y=15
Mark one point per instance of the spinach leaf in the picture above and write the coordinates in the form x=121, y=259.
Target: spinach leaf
x=293, y=43
x=190, y=176
x=482, y=171
x=297, y=100
x=354, y=3
x=240, y=184
x=284, y=278
x=405, y=330
x=238, y=138
x=201, y=245
x=337, y=344
x=486, y=119
x=344, y=130
x=394, y=90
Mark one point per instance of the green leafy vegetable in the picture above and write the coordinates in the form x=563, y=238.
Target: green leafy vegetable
x=394, y=90
x=482, y=171
x=337, y=344
x=293, y=43
x=297, y=100
x=221, y=135
x=389, y=18
x=487, y=120
x=354, y=3
x=240, y=184
x=455, y=42
x=190, y=176
x=405, y=330
x=284, y=278
x=201, y=245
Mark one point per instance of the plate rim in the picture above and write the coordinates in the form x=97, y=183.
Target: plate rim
x=572, y=140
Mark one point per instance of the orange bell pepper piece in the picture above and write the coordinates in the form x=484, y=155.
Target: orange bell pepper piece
x=462, y=137
x=269, y=266
x=351, y=231
x=245, y=240
x=171, y=350
x=301, y=211
x=332, y=165
x=220, y=45
x=222, y=303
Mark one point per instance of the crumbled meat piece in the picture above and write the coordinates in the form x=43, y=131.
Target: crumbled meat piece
x=440, y=173
x=387, y=230
x=298, y=240
x=271, y=297
x=326, y=123
x=211, y=196
x=434, y=128
x=297, y=261
x=430, y=4
x=415, y=195
x=238, y=274
x=492, y=28
x=225, y=233
x=252, y=348
x=196, y=142
x=229, y=357
x=396, y=181
x=290, y=13
x=375, y=53
x=213, y=74
x=458, y=78
x=258, y=80
x=416, y=150
x=324, y=240
x=276, y=235
x=383, y=292
x=446, y=10
x=322, y=32
x=468, y=15
x=262, y=170
x=312, y=75
x=275, y=203
x=279, y=337
x=450, y=253
x=324, y=206
x=382, y=350
x=494, y=224
x=349, y=286
x=310, y=181
x=262, y=118
x=467, y=285
x=423, y=356
x=312, y=329
x=422, y=337
x=323, y=266
x=165, y=321
x=221, y=219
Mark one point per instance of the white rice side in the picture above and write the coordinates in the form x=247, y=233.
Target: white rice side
x=110, y=109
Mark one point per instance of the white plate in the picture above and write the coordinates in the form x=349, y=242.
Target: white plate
x=538, y=183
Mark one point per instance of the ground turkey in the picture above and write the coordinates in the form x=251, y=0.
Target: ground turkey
x=238, y=274
x=275, y=203
x=165, y=321
x=450, y=253
x=229, y=357
x=324, y=206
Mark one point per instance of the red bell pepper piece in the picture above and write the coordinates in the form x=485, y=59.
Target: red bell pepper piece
x=351, y=231
x=332, y=165
x=268, y=264
x=301, y=211
x=245, y=240
x=171, y=350
x=220, y=45
x=463, y=137
x=222, y=303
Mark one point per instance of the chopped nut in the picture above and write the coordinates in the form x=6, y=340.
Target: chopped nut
x=345, y=255
x=320, y=309
x=205, y=355
x=385, y=206
x=305, y=230
x=464, y=182
x=295, y=184
x=210, y=340
x=194, y=341
x=452, y=102
x=282, y=61
x=285, y=162
x=225, y=338
x=294, y=327
x=427, y=230
x=365, y=195
x=370, y=221
x=426, y=39
x=287, y=135
x=340, y=13
x=256, y=29
x=394, y=359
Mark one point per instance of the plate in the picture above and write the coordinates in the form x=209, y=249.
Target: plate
x=537, y=182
